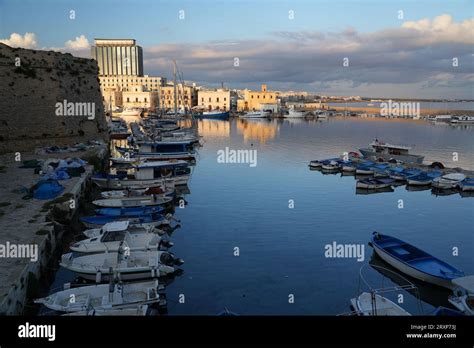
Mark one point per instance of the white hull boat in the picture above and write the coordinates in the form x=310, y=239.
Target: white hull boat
x=138, y=311
x=368, y=304
x=294, y=114
x=463, y=298
x=121, y=265
x=100, y=297
x=255, y=114
x=119, y=184
x=127, y=202
x=448, y=181
x=120, y=226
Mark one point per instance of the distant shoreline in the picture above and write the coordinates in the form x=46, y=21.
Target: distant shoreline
x=423, y=112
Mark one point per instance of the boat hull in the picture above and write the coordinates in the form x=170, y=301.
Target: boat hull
x=368, y=153
x=117, y=184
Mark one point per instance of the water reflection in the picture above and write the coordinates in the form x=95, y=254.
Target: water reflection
x=213, y=128
x=262, y=130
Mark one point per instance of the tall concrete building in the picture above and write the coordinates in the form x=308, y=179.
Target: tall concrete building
x=118, y=57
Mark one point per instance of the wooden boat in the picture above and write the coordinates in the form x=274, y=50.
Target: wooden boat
x=104, y=297
x=365, y=168
x=348, y=166
x=414, y=262
x=122, y=265
x=467, y=184
x=147, y=175
x=448, y=181
x=404, y=174
x=330, y=165
x=125, y=240
x=214, y=114
x=371, y=304
x=319, y=163
x=374, y=183
x=424, y=178
x=126, y=202
x=154, y=220
x=463, y=297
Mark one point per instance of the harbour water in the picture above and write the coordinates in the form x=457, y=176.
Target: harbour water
x=466, y=105
x=281, y=250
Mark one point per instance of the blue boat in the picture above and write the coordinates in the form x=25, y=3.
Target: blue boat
x=132, y=212
x=365, y=168
x=100, y=220
x=405, y=173
x=467, y=184
x=374, y=183
x=414, y=262
x=424, y=178
x=215, y=114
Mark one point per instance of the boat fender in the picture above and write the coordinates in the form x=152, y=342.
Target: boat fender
x=98, y=276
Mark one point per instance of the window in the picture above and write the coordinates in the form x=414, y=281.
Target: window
x=252, y=96
x=202, y=99
x=145, y=100
x=209, y=99
x=136, y=100
x=128, y=100
x=225, y=98
x=217, y=99
x=258, y=97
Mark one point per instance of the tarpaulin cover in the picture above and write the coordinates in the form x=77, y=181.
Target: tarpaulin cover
x=47, y=189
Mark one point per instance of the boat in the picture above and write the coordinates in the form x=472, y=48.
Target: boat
x=467, y=184
x=104, y=297
x=463, y=294
x=448, y=181
x=365, y=168
x=462, y=120
x=348, y=166
x=125, y=240
x=294, y=113
x=131, y=212
x=255, y=114
x=374, y=183
x=330, y=165
x=424, y=178
x=153, y=219
x=372, y=304
x=404, y=173
x=146, y=175
x=157, y=190
x=214, y=114
x=122, y=265
x=386, y=151
x=319, y=163
x=119, y=226
x=137, y=311
x=124, y=160
x=164, y=151
x=126, y=202
x=413, y=261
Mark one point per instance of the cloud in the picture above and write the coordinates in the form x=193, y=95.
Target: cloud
x=416, y=54
x=17, y=40
x=79, y=43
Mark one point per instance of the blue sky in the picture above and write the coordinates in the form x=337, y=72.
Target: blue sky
x=304, y=53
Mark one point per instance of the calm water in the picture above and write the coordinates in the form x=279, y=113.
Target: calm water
x=282, y=249
x=423, y=105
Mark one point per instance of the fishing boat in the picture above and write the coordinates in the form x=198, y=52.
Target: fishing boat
x=404, y=173
x=319, y=163
x=378, y=149
x=330, y=165
x=422, y=179
x=463, y=295
x=153, y=219
x=448, y=181
x=292, y=113
x=467, y=184
x=462, y=120
x=146, y=175
x=165, y=151
x=214, y=114
x=157, y=190
x=348, y=166
x=124, y=160
x=372, y=304
x=414, y=262
x=120, y=226
x=374, y=183
x=122, y=265
x=365, y=168
x=125, y=240
x=126, y=202
x=104, y=297
x=255, y=114
x=131, y=212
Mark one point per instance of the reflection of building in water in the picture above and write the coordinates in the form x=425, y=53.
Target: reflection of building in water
x=256, y=130
x=214, y=128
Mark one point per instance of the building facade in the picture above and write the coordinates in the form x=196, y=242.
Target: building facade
x=186, y=97
x=253, y=100
x=217, y=99
x=118, y=57
x=152, y=83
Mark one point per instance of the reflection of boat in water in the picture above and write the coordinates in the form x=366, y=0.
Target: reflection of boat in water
x=361, y=191
x=443, y=192
x=433, y=295
x=414, y=188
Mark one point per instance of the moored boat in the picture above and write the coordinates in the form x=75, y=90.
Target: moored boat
x=413, y=261
x=214, y=114
x=255, y=114
x=98, y=221
x=126, y=202
x=448, y=181
x=463, y=294
x=378, y=149
x=424, y=178
x=372, y=304
x=374, y=183
x=467, y=184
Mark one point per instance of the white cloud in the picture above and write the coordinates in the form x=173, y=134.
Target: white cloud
x=17, y=40
x=79, y=43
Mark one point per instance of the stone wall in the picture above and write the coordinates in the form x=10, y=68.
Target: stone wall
x=29, y=94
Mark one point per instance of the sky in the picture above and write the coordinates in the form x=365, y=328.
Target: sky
x=403, y=48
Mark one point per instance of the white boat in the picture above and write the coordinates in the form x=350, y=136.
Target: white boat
x=294, y=113
x=371, y=304
x=125, y=240
x=255, y=114
x=124, y=160
x=121, y=265
x=448, y=181
x=386, y=151
x=462, y=120
x=104, y=297
x=132, y=192
x=120, y=226
x=138, y=201
x=463, y=297
x=138, y=311
x=331, y=165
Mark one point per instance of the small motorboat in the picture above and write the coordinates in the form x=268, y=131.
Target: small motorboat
x=131, y=212
x=319, y=163
x=374, y=183
x=157, y=190
x=126, y=202
x=124, y=265
x=422, y=179
x=330, y=165
x=148, y=219
x=463, y=294
x=255, y=114
x=414, y=262
x=365, y=168
x=372, y=304
x=104, y=297
x=404, y=174
x=120, y=226
x=348, y=166
x=467, y=184
x=448, y=181
x=137, y=311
